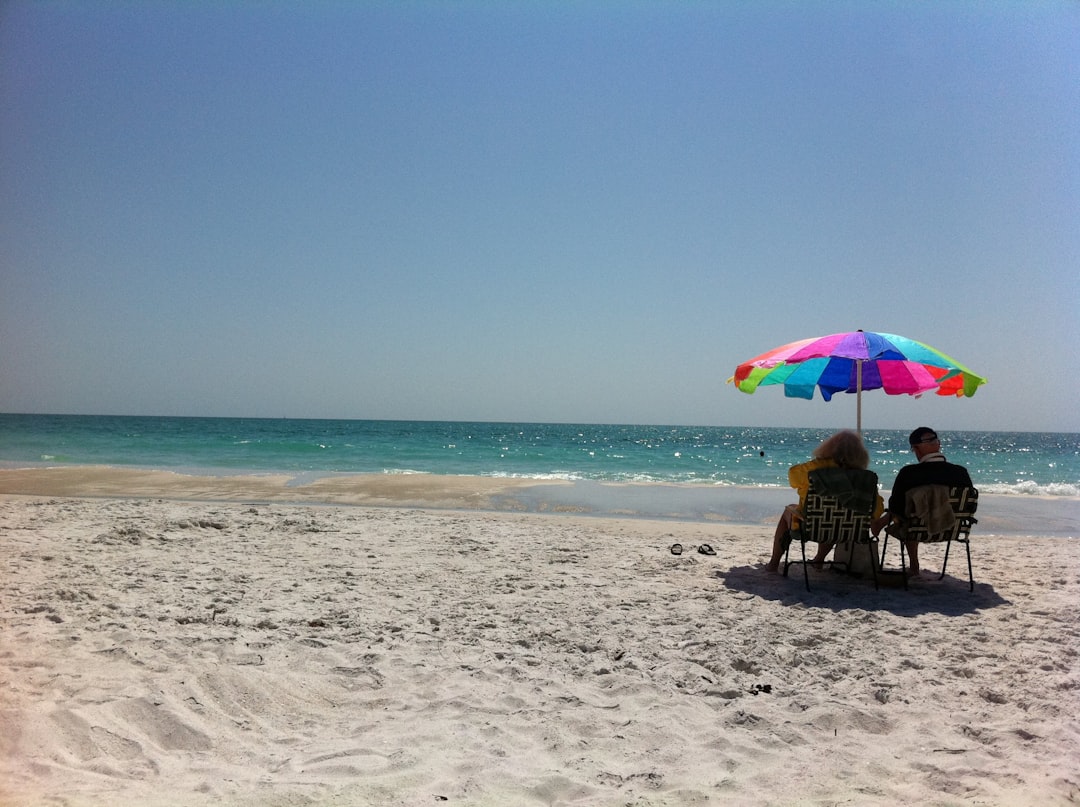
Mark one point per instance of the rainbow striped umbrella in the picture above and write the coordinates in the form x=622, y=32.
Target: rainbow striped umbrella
x=857, y=361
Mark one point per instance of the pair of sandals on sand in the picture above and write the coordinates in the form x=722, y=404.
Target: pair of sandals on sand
x=704, y=549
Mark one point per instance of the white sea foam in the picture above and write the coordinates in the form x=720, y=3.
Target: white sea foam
x=555, y=476
x=1028, y=488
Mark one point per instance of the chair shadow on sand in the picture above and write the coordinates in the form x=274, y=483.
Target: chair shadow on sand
x=838, y=591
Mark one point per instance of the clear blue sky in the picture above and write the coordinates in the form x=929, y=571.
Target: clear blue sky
x=579, y=211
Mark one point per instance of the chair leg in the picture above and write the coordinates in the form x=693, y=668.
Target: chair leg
x=971, y=575
x=884, y=546
x=805, y=571
x=944, y=565
x=873, y=561
x=948, y=546
x=787, y=562
x=903, y=564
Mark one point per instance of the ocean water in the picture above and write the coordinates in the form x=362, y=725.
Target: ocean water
x=1029, y=482
x=1012, y=463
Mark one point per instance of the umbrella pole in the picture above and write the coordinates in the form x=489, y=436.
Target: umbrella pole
x=858, y=396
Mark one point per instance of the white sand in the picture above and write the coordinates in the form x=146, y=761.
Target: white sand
x=170, y=652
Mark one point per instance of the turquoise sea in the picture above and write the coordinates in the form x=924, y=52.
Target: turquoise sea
x=668, y=462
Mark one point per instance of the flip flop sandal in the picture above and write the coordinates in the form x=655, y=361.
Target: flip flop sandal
x=676, y=549
x=705, y=549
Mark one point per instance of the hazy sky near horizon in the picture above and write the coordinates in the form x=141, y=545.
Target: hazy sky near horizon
x=580, y=211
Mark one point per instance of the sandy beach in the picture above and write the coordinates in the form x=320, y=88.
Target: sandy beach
x=190, y=642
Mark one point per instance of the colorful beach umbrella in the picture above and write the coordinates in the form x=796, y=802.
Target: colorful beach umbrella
x=857, y=361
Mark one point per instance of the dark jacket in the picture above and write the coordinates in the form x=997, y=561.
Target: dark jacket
x=928, y=472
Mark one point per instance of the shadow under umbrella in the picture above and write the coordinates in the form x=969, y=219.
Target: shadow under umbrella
x=841, y=592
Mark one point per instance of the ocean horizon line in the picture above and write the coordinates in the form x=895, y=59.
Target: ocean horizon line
x=517, y=422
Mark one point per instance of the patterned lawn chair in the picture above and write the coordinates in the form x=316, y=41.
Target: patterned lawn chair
x=839, y=504
x=929, y=524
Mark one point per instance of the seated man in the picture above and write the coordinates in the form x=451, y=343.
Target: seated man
x=931, y=469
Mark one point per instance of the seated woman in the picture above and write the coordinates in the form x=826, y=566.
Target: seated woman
x=843, y=450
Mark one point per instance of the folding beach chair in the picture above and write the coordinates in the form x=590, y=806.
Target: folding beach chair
x=925, y=504
x=838, y=508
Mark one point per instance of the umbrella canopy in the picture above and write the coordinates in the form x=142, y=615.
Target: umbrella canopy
x=857, y=361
